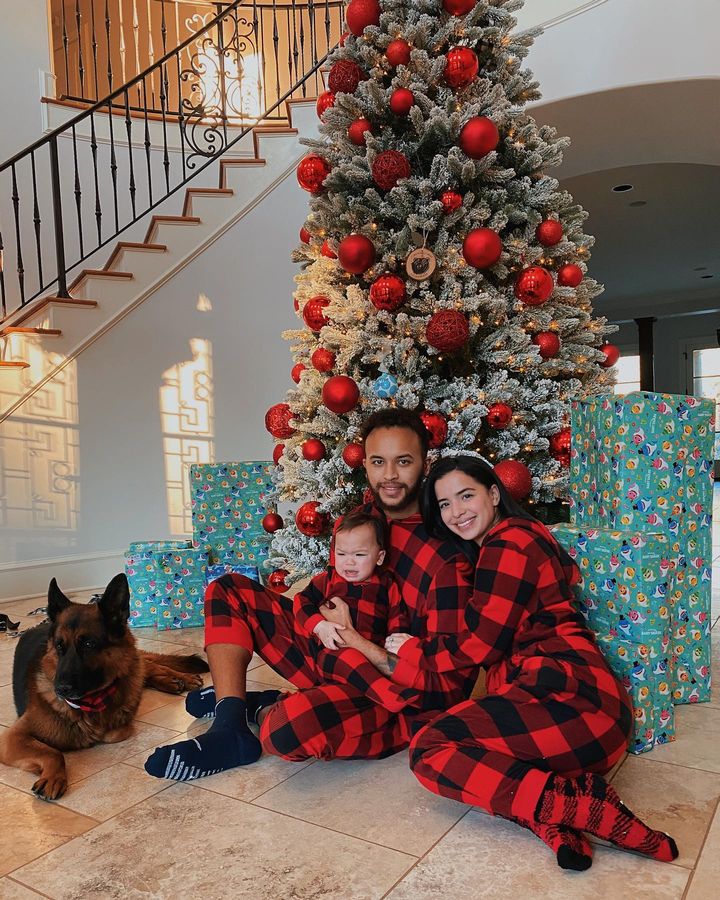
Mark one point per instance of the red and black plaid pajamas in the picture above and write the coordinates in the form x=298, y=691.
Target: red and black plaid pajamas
x=553, y=705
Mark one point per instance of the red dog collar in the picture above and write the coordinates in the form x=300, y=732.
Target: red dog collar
x=95, y=701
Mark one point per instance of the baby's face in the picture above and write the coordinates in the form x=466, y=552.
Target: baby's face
x=357, y=553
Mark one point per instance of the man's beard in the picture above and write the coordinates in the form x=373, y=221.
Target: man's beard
x=408, y=498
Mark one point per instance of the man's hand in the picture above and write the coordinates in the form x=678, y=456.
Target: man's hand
x=336, y=610
x=329, y=634
x=395, y=641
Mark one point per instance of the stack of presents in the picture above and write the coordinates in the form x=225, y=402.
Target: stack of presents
x=168, y=578
x=641, y=486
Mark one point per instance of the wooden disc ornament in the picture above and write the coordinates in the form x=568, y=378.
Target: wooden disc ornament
x=420, y=264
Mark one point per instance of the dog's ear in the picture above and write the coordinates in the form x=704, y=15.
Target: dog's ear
x=57, y=601
x=114, y=605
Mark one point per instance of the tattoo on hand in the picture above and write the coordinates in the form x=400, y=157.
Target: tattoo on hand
x=387, y=667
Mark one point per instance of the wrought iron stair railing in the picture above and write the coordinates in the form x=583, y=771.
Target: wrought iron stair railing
x=83, y=184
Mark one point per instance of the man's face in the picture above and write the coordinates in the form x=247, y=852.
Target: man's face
x=395, y=466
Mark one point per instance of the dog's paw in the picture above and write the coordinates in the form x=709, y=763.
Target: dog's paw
x=50, y=788
x=192, y=682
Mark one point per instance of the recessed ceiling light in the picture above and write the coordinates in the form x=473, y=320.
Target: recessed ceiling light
x=707, y=276
x=622, y=188
x=638, y=203
x=700, y=269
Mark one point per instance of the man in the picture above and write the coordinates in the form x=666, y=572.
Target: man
x=330, y=720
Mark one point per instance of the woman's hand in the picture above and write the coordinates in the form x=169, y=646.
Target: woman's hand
x=329, y=634
x=395, y=641
x=337, y=611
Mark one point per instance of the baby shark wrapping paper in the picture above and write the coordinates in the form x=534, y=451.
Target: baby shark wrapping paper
x=167, y=584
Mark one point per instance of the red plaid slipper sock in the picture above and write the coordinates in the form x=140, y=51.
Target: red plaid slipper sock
x=589, y=803
x=571, y=848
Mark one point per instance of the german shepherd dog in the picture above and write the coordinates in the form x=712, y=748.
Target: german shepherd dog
x=77, y=681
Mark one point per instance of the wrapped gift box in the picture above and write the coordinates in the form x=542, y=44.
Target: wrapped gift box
x=229, y=501
x=167, y=581
x=217, y=570
x=628, y=580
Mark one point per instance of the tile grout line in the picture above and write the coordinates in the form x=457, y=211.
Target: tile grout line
x=27, y=886
x=252, y=800
x=700, y=851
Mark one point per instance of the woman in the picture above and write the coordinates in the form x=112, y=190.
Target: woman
x=555, y=718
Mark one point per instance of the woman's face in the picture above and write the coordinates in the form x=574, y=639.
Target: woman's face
x=468, y=508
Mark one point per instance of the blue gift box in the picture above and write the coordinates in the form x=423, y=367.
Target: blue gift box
x=217, y=570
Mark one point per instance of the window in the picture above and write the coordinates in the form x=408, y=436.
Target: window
x=628, y=374
x=706, y=382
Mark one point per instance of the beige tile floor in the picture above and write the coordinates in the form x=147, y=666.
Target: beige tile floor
x=330, y=830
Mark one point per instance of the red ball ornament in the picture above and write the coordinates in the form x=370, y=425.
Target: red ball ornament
x=344, y=77
x=388, y=168
x=515, y=477
x=549, y=232
x=458, y=7
x=360, y=14
x=276, y=580
x=312, y=171
x=309, y=521
x=313, y=449
x=323, y=360
x=548, y=342
x=296, y=372
x=305, y=236
x=353, y=455
x=612, y=355
x=277, y=421
x=324, y=101
x=401, y=101
x=570, y=275
x=499, y=416
x=560, y=443
x=482, y=248
x=478, y=137
x=461, y=66
x=340, y=394
x=447, y=330
x=451, y=201
x=328, y=251
x=313, y=313
x=356, y=253
x=398, y=53
x=534, y=285
x=278, y=451
x=358, y=131
x=388, y=292
x=296, y=304
x=343, y=37
x=437, y=428
x=272, y=522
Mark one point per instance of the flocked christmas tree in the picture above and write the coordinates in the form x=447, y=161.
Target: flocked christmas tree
x=444, y=270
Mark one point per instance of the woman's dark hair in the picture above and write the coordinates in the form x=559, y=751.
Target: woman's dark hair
x=477, y=470
x=397, y=417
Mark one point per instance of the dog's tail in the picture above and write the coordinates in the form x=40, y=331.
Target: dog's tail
x=191, y=664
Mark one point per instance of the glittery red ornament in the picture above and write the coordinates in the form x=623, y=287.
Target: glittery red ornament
x=324, y=101
x=328, y=251
x=296, y=372
x=313, y=449
x=499, y=416
x=560, y=443
x=309, y=521
x=451, y=201
x=323, y=360
x=458, y=7
x=345, y=75
x=276, y=580
x=272, y=522
x=447, y=330
x=357, y=132
x=353, y=455
x=296, y=305
x=482, y=248
x=612, y=355
x=388, y=292
x=305, y=235
x=356, y=253
x=570, y=275
x=534, y=285
x=398, y=53
x=340, y=394
x=388, y=168
x=312, y=171
x=360, y=14
x=549, y=232
x=478, y=137
x=401, y=101
x=548, y=342
x=515, y=477
x=278, y=451
x=461, y=66
x=277, y=421
x=313, y=313
x=437, y=428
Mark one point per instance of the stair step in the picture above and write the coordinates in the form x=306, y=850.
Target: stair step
x=33, y=309
x=13, y=329
x=98, y=273
x=15, y=364
x=210, y=191
x=132, y=245
x=174, y=220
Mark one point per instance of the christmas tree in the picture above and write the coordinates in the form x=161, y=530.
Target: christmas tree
x=443, y=269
